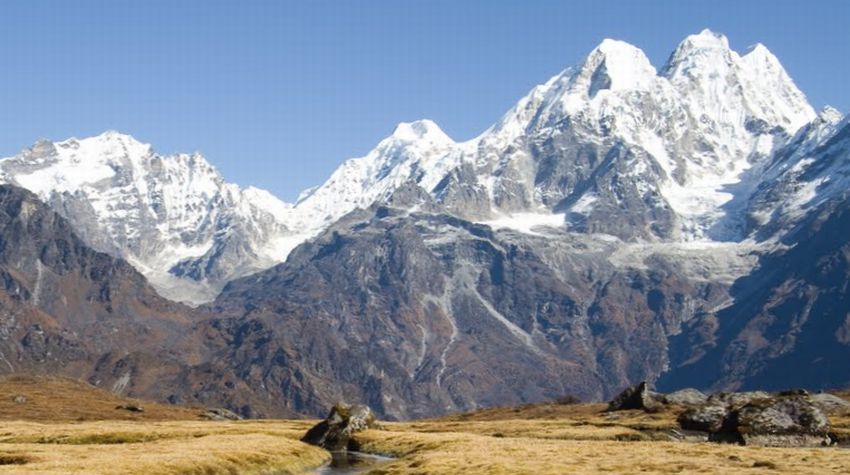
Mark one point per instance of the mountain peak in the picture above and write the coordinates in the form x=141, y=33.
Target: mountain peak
x=759, y=49
x=423, y=129
x=612, y=46
x=759, y=57
x=110, y=143
x=113, y=136
x=708, y=39
x=616, y=65
x=830, y=115
x=703, y=48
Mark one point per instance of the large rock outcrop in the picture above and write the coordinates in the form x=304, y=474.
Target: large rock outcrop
x=336, y=431
x=636, y=397
x=782, y=420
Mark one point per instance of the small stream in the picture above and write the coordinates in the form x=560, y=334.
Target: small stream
x=352, y=463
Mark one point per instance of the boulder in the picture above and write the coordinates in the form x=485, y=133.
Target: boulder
x=636, y=397
x=334, y=433
x=830, y=403
x=20, y=399
x=685, y=397
x=790, y=419
x=221, y=414
x=706, y=418
x=737, y=399
x=782, y=415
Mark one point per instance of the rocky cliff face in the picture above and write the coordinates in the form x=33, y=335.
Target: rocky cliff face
x=67, y=309
x=423, y=313
x=789, y=323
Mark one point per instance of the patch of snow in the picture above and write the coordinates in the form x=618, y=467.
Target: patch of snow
x=527, y=223
x=121, y=384
x=701, y=261
x=36, y=293
x=444, y=303
x=584, y=205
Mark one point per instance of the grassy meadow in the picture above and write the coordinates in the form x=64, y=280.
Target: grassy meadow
x=534, y=439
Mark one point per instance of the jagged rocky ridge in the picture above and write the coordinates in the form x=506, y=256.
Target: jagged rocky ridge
x=618, y=224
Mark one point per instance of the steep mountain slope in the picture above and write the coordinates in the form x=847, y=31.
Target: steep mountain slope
x=68, y=310
x=173, y=217
x=419, y=314
x=789, y=323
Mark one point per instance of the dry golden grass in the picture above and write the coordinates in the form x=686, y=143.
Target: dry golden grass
x=458, y=452
x=137, y=447
x=486, y=447
x=555, y=439
x=529, y=411
x=539, y=429
x=74, y=428
x=533, y=439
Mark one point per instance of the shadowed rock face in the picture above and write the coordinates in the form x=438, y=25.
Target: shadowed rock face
x=66, y=309
x=423, y=314
x=415, y=314
x=67, y=306
x=788, y=325
x=336, y=431
x=636, y=397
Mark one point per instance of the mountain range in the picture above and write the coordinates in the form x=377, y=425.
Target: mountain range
x=684, y=225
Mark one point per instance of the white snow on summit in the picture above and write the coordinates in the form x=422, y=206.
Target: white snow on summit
x=706, y=118
x=173, y=217
x=691, y=140
x=418, y=151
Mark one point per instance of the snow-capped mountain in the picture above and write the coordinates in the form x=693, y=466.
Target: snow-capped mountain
x=811, y=170
x=611, y=146
x=686, y=225
x=612, y=227
x=173, y=217
x=609, y=137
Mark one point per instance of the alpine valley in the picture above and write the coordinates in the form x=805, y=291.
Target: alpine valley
x=688, y=226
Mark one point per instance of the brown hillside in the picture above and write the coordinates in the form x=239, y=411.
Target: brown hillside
x=55, y=399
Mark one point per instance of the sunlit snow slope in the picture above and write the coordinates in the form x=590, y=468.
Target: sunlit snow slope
x=611, y=147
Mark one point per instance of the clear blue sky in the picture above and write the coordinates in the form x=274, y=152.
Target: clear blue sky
x=277, y=93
